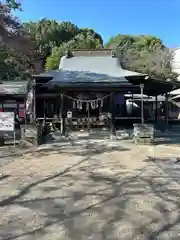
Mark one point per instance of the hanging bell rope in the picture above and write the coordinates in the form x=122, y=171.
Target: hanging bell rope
x=88, y=101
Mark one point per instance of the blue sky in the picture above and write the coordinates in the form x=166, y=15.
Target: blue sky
x=154, y=17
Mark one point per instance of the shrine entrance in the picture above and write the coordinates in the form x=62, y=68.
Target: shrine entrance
x=87, y=111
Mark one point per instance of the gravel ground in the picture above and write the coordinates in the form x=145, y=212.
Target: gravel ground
x=95, y=191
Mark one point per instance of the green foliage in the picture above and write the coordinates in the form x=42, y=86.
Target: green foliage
x=70, y=37
x=54, y=39
x=12, y=67
x=53, y=60
x=144, y=54
x=140, y=41
x=50, y=33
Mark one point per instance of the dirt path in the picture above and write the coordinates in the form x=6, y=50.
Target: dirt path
x=95, y=193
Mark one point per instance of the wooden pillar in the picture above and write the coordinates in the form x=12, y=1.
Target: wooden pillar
x=112, y=108
x=88, y=118
x=25, y=115
x=132, y=101
x=167, y=110
x=34, y=100
x=142, y=103
x=156, y=110
x=44, y=109
x=62, y=114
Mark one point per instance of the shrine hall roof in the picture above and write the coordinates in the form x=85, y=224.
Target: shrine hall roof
x=90, y=69
x=99, y=68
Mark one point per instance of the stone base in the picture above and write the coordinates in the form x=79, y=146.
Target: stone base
x=144, y=141
x=30, y=135
x=26, y=144
x=144, y=130
x=143, y=134
x=124, y=134
x=113, y=137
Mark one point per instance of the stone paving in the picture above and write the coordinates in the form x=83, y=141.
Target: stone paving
x=91, y=190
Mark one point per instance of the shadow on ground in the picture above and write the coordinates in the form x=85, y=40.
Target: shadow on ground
x=85, y=201
x=77, y=148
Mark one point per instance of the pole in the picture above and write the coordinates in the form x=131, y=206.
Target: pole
x=14, y=133
x=156, y=111
x=132, y=97
x=167, y=110
x=34, y=100
x=142, y=103
x=61, y=115
x=14, y=137
x=25, y=115
x=44, y=107
x=88, y=119
x=112, y=120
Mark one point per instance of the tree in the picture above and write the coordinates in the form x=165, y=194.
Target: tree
x=48, y=37
x=144, y=54
x=14, y=39
x=85, y=39
x=53, y=60
x=51, y=35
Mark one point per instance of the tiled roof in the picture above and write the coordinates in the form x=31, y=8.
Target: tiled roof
x=106, y=65
x=10, y=88
x=66, y=76
x=90, y=69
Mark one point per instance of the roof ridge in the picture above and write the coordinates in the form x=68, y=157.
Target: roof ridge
x=89, y=52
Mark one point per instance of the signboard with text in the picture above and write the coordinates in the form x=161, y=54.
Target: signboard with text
x=7, y=121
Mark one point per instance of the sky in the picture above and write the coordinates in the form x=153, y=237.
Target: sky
x=153, y=17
